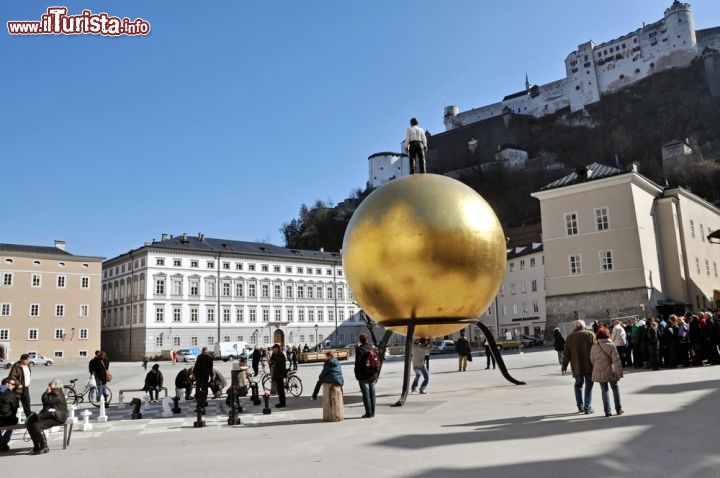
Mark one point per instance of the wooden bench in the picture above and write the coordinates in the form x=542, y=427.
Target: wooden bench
x=67, y=430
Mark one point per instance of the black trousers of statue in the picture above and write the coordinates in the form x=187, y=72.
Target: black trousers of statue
x=417, y=153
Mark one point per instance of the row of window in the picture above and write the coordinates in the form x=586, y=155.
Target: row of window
x=602, y=221
x=703, y=229
x=298, y=291
x=606, y=262
x=34, y=311
x=119, y=316
x=239, y=288
x=225, y=265
x=516, y=308
x=511, y=265
x=523, y=288
x=8, y=280
x=58, y=334
x=36, y=262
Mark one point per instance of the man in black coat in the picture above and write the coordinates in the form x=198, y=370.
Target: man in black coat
x=202, y=370
x=20, y=372
x=9, y=404
x=278, y=371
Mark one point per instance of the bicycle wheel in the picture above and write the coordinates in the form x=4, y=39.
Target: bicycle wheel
x=70, y=395
x=266, y=382
x=95, y=400
x=294, y=386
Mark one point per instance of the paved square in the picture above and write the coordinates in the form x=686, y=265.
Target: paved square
x=472, y=423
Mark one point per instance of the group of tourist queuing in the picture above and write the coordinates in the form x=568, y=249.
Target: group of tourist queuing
x=601, y=355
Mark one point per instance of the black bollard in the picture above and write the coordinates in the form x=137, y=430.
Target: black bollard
x=255, y=397
x=136, y=403
x=200, y=397
x=176, y=406
x=267, y=410
x=232, y=401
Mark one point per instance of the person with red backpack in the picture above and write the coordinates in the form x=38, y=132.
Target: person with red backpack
x=367, y=369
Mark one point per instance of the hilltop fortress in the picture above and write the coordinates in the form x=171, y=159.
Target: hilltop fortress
x=596, y=70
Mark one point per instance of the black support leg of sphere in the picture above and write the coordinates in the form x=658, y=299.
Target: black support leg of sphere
x=382, y=346
x=406, y=367
x=497, y=355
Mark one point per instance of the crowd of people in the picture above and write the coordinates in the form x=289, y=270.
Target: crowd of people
x=601, y=354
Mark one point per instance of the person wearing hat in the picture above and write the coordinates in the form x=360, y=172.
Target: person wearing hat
x=463, y=349
x=154, y=382
x=278, y=371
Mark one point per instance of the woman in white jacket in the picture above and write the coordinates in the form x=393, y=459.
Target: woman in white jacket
x=607, y=369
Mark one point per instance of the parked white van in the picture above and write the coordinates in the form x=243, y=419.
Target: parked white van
x=231, y=350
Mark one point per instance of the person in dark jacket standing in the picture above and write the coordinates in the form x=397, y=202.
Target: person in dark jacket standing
x=365, y=376
x=463, y=349
x=20, y=372
x=278, y=372
x=559, y=344
x=202, y=370
x=98, y=367
x=331, y=373
x=256, y=355
x=488, y=353
x=9, y=404
x=154, y=382
x=54, y=413
x=577, y=354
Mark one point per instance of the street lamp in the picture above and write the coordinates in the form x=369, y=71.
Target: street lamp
x=255, y=336
x=316, y=335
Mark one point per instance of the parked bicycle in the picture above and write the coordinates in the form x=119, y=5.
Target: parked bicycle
x=73, y=397
x=293, y=384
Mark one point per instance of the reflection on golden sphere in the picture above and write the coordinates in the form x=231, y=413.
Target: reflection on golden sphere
x=425, y=248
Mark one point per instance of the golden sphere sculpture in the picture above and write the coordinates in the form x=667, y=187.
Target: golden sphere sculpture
x=424, y=249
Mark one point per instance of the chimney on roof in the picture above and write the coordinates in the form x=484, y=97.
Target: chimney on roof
x=164, y=237
x=201, y=236
x=184, y=239
x=60, y=244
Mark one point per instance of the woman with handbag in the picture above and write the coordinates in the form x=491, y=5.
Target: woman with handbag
x=607, y=369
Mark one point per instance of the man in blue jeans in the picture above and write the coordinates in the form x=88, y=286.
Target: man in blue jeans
x=419, y=349
x=366, y=374
x=577, y=354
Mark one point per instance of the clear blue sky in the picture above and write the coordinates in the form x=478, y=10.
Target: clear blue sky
x=231, y=114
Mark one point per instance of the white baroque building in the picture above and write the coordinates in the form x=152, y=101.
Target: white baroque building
x=594, y=70
x=192, y=291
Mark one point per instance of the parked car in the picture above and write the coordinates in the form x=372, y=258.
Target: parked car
x=185, y=355
x=539, y=339
x=442, y=347
x=512, y=343
x=530, y=340
x=5, y=363
x=39, y=359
